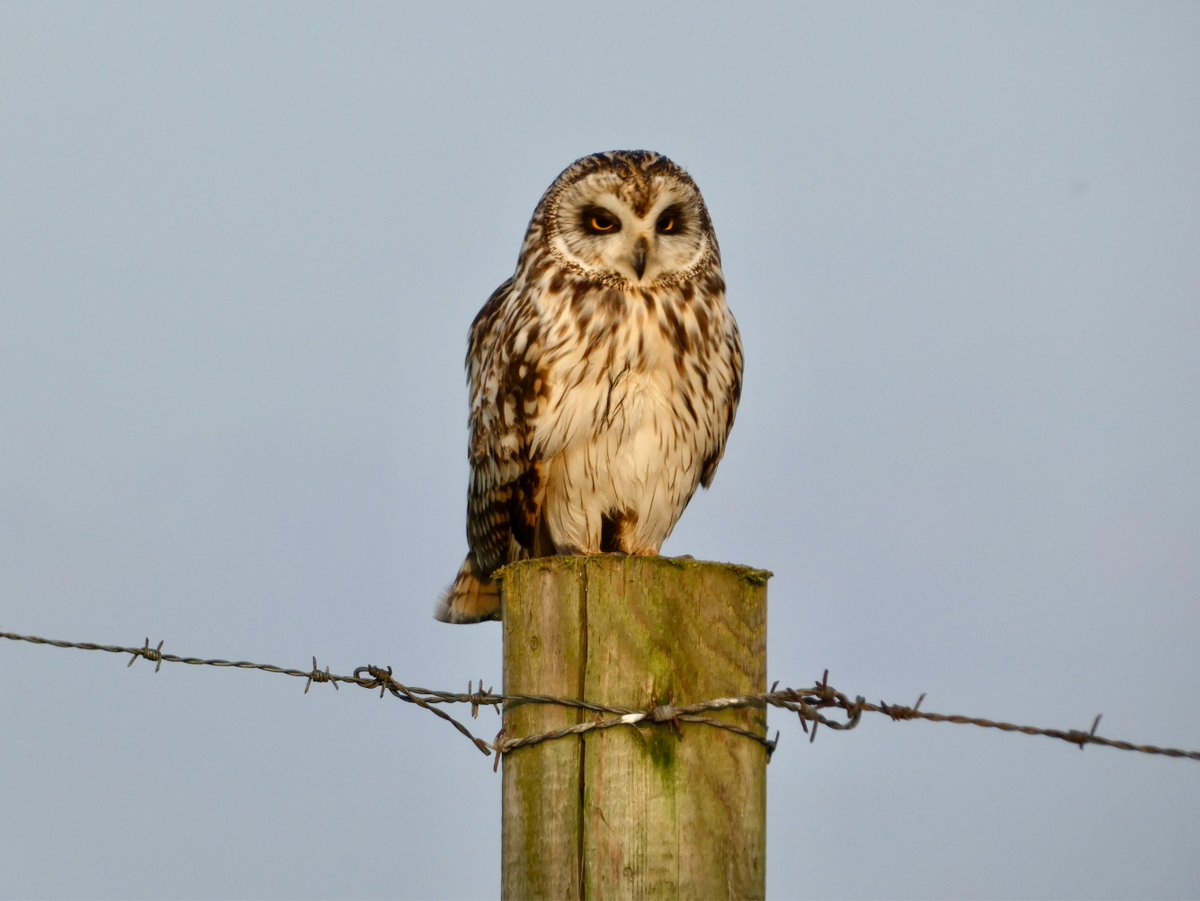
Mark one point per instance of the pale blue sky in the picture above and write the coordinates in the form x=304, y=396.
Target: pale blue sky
x=240, y=246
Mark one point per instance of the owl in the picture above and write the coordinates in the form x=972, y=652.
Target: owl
x=603, y=376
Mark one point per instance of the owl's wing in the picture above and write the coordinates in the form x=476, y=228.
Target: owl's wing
x=733, y=393
x=504, y=497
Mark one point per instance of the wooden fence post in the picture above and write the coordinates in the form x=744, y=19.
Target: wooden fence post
x=645, y=811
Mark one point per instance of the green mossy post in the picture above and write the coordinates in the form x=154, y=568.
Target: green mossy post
x=639, y=811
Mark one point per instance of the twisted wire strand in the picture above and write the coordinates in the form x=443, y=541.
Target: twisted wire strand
x=806, y=703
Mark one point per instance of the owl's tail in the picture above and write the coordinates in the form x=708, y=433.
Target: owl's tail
x=472, y=598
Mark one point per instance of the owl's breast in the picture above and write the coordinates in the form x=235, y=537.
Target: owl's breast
x=647, y=361
x=619, y=446
x=638, y=406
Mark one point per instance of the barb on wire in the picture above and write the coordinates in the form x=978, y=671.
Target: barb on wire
x=812, y=705
x=382, y=677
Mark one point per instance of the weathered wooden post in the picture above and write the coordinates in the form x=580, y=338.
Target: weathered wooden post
x=653, y=810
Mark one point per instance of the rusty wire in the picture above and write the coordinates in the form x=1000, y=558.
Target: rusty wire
x=807, y=703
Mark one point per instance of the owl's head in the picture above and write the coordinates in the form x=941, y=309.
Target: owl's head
x=627, y=217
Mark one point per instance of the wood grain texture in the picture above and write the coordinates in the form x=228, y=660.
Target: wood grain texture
x=543, y=654
x=635, y=811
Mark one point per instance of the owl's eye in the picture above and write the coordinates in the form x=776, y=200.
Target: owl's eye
x=600, y=222
x=668, y=222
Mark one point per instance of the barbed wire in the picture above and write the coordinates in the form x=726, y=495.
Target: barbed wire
x=807, y=703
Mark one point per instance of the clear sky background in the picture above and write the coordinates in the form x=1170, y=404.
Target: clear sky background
x=240, y=246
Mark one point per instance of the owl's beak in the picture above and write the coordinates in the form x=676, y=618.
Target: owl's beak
x=639, y=256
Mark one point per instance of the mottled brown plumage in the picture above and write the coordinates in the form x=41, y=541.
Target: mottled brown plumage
x=604, y=375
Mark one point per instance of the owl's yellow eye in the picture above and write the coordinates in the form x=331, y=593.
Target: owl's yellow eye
x=600, y=222
x=668, y=222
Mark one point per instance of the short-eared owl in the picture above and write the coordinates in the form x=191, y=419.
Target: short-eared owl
x=604, y=375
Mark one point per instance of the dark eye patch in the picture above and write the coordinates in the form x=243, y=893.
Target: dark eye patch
x=670, y=221
x=599, y=221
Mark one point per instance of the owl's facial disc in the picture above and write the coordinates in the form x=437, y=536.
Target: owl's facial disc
x=607, y=235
